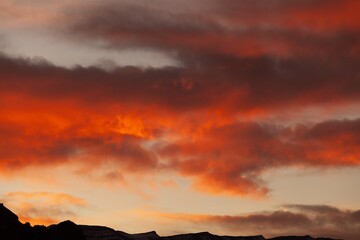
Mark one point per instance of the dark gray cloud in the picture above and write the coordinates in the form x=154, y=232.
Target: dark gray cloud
x=315, y=220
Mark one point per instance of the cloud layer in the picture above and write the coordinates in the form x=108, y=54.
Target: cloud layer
x=43, y=207
x=205, y=119
x=252, y=86
x=316, y=220
x=173, y=119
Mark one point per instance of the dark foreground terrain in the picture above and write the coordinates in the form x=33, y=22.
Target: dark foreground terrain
x=12, y=229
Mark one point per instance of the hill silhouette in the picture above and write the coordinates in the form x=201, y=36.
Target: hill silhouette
x=12, y=229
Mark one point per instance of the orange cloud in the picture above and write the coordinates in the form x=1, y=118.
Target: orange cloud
x=18, y=14
x=149, y=122
x=204, y=119
x=231, y=159
x=43, y=208
x=51, y=198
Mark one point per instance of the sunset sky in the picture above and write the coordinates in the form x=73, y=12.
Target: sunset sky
x=238, y=117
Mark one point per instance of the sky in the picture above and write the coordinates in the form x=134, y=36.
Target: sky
x=233, y=117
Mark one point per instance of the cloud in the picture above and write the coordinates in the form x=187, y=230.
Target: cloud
x=231, y=159
x=43, y=207
x=243, y=85
x=240, y=29
x=187, y=121
x=320, y=221
x=204, y=119
x=17, y=14
x=313, y=15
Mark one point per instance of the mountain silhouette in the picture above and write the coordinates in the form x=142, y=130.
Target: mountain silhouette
x=12, y=229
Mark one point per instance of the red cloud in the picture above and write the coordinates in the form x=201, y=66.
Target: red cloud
x=289, y=56
x=231, y=159
x=87, y=116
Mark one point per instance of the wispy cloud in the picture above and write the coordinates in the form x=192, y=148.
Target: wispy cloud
x=316, y=220
x=43, y=207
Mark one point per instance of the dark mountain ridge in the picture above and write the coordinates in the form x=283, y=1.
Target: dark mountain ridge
x=12, y=229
